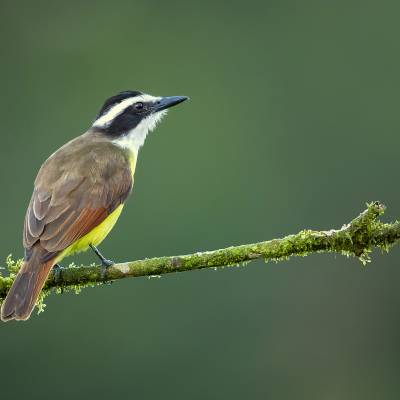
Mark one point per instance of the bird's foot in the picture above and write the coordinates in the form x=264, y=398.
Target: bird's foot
x=105, y=263
x=57, y=268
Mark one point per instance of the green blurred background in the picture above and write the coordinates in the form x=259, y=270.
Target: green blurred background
x=293, y=123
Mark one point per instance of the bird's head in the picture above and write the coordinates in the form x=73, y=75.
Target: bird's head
x=129, y=116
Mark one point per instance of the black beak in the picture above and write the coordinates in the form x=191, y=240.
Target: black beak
x=167, y=102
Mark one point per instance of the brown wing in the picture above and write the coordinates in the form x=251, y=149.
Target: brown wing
x=75, y=190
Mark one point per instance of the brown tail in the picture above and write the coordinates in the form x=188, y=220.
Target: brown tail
x=24, y=292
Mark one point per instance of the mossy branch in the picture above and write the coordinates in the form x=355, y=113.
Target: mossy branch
x=357, y=238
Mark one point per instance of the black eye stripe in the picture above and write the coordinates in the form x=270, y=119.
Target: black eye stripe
x=112, y=101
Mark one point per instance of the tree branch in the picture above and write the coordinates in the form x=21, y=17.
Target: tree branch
x=354, y=239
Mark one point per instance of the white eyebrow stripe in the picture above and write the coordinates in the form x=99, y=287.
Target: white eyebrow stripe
x=119, y=108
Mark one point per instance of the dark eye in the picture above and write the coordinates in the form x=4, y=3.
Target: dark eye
x=139, y=106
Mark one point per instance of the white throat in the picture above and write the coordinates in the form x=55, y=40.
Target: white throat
x=134, y=139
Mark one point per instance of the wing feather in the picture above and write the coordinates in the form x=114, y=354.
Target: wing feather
x=66, y=206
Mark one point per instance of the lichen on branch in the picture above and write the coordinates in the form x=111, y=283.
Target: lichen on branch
x=357, y=238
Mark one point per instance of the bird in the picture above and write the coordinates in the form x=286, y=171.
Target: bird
x=80, y=191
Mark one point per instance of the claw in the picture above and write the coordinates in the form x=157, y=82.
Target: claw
x=105, y=263
x=57, y=268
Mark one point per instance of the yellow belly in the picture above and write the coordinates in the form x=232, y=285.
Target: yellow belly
x=94, y=237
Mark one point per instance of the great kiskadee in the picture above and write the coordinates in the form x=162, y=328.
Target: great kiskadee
x=80, y=191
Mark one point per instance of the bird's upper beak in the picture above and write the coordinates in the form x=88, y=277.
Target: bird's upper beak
x=167, y=102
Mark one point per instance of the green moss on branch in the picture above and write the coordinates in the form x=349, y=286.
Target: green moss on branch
x=354, y=239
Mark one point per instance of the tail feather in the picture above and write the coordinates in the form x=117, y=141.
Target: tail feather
x=24, y=292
